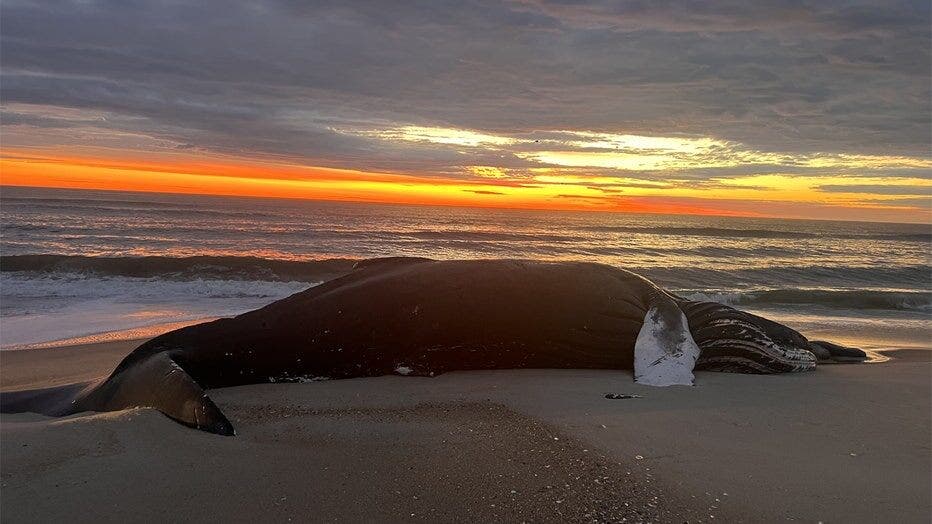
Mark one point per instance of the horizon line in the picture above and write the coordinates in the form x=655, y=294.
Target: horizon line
x=448, y=205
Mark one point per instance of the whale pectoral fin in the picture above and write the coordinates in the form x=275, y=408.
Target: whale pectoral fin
x=157, y=382
x=665, y=352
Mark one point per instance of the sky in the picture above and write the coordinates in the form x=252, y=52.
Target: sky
x=796, y=109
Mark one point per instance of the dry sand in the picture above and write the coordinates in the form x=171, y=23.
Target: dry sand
x=847, y=443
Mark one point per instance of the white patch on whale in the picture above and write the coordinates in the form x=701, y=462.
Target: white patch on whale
x=664, y=354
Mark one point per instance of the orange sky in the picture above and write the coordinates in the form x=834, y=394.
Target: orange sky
x=555, y=189
x=244, y=178
x=565, y=184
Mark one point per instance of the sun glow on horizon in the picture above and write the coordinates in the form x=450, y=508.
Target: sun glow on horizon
x=556, y=188
x=323, y=184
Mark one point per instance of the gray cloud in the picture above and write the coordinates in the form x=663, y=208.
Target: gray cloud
x=279, y=77
x=877, y=189
x=572, y=196
x=786, y=17
x=916, y=203
x=483, y=192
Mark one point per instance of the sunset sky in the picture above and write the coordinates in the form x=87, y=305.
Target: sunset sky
x=792, y=109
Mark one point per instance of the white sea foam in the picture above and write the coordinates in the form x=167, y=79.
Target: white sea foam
x=62, y=307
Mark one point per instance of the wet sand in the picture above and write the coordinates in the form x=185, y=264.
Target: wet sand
x=847, y=443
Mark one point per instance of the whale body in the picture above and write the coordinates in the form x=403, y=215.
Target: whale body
x=414, y=316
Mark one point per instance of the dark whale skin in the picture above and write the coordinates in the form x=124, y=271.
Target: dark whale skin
x=423, y=317
x=427, y=316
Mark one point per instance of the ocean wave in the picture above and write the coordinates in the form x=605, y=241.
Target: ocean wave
x=162, y=227
x=123, y=207
x=792, y=277
x=488, y=236
x=181, y=268
x=849, y=299
x=57, y=289
x=90, y=202
x=50, y=297
x=757, y=233
x=272, y=269
x=52, y=306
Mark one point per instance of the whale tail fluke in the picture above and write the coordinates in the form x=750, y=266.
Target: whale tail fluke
x=54, y=401
x=154, y=382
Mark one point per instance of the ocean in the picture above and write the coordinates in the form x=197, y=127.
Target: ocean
x=84, y=266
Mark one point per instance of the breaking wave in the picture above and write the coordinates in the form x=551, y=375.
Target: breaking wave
x=857, y=299
x=757, y=233
x=181, y=268
x=889, y=288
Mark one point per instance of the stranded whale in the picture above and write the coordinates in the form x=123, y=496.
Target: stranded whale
x=425, y=317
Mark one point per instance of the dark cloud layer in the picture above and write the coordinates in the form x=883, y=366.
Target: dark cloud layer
x=890, y=189
x=284, y=77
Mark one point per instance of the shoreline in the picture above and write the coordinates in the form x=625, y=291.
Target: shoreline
x=541, y=210
x=794, y=446
x=532, y=444
x=40, y=367
x=56, y=366
x=866, y=334
x=119, y=335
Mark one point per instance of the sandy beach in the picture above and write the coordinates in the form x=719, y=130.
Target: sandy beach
x=847, y=443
